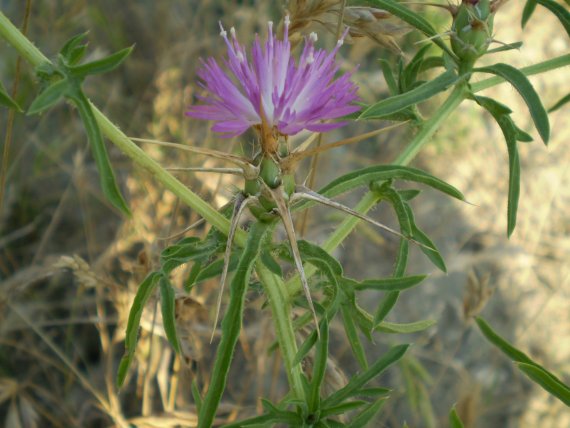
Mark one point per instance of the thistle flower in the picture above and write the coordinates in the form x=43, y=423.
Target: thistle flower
x=272, y=92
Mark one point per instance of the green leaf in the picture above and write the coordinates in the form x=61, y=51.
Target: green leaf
x=421, y=93
x=215, y=268
x=305, y=348
x=454, y=421
x=186, y=250
x=404, y=328
x=49, y=96
x=544, y=379
x=511, y=133
x=103, y=65
x=373, y=392
x=72, y=44
x=352, y=336
x=524, y=87
x=432, y=62
x=562, y=101
x=505, y=47
x=167, y=302
x=342, y=409
x=367, y=414
x=7, y=101
x=319, y=367
x=520, y=357
x=196, y=395
x=388, y=193
x=389, y=77
x=434, y=255
x=415, y=20
x=231, y=324
x=561, y=13
x=528, y=10
x=361, y=379
x=107, y=177
x=194, y=272
x=391, y=284
x=365, y=176
x=410, y=74
x=141, y=298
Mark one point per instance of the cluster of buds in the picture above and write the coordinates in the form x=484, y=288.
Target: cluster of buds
x=472, y=29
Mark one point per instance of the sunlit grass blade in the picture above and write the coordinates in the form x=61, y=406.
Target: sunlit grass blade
x=454, y=421
x=106, y=174
x=415, y=20
x=141, y=298
x=421, y=93
x=241, y=203
x=360, y=380
x=167, y=301
x=531, y=98
x=544, y=379
x=231, y=325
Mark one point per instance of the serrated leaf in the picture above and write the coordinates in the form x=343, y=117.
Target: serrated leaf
x=391, y=284
x=528, y=10
x=404, y=328
x=529, y=95
x=454, y=421
x=103, y=65
x=167, y=301
x=423, y=92
x=7, y=101
x=562, y=101
x=518, y=356
x=352, y=336
x=358, y=381
x=231, y=324
x=561, y=13
x=367, y=414
x=141, y=298
x=544, y=379
x=106, y=174
x=415, y=20
x=49, y=96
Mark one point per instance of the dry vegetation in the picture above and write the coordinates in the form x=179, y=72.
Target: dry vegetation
x=70, y=264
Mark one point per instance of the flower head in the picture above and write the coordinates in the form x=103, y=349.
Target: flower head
x=272, y=91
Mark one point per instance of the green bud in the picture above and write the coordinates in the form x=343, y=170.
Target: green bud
x=472, y=28
x=270, y=172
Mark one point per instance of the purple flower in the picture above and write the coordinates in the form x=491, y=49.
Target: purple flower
x=271, y=91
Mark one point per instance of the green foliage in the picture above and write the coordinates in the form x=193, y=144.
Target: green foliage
x=7, y=101
x=530, y=368
x=64, y=80
x=454, y=421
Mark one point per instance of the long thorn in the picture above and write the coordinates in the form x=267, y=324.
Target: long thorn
x=244, y=163
x=304, y=193
x=240, y=204
x=290, y=230
x=236, y=171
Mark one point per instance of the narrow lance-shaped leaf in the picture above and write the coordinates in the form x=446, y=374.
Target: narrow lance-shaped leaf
x=360, y=380
x=7, y=101
x=106, y=174
x=454, y=421
x=361, y=421
x=561, y=13
x=415, y=20
x=415, y=96
x=103, y=65
x=389, y=77
x=531, y=98
x=505, y=47
x=141, y=298
x=528, y=10
x=231, y=325
x=544, y=379
x=547, y=378
x=352, y=336
x=167, y=302
x=319, y=367
x=49, y=96
x=562, y=101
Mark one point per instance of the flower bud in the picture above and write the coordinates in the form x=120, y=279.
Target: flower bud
x=471, y=29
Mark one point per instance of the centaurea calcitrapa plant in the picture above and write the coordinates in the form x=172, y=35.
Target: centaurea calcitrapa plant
x=270, y=91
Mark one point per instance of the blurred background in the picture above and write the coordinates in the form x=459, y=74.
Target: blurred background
x=70, y=264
